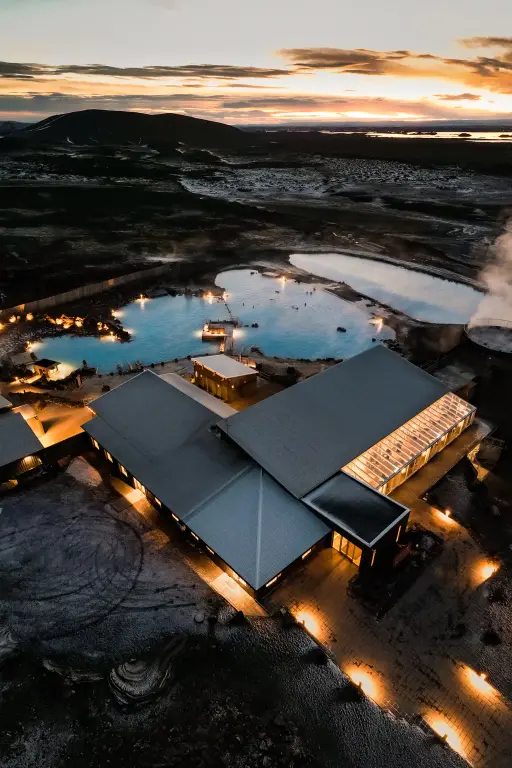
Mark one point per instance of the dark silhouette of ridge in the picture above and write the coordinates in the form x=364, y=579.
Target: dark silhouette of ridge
x=98, y=126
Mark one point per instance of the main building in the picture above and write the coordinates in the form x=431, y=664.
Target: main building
x=307, y=468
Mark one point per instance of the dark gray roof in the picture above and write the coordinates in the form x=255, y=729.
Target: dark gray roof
x=352, y=507
x=153, y=416
x=46, y=363
x=16, y=439
x=255, y=526
x=161, y=435
x=4, y=403
x=306, y=433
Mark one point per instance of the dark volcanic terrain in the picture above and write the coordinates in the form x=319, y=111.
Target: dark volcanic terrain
x=91, y=195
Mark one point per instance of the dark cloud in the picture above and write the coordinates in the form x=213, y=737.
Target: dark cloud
x=359, y=61
x=457, y=97
x=487, y=42
x=215, y=71
x=481, y=71
x=221, y=107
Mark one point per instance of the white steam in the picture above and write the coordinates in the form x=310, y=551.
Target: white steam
x=497, y=304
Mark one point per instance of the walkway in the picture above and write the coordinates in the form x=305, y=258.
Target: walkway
x=163, y=532
x=410, y=661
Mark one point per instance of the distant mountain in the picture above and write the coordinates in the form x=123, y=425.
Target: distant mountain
x=9, y=126
x=98, y=126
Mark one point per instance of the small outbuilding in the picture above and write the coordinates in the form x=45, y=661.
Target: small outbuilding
x=19, y=446
x=224, y=376
x=45, y=367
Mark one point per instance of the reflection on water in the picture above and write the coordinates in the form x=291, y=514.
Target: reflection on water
x=419, y=295
x=480, y=136
x=293, y=320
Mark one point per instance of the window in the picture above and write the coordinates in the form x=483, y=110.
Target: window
x=96, y=444
x=139, y=486
x=158, y=502
x=109, y=457
x=398, y=532
x=210, y=550
x=272, y=581
x=194, y=535
x=123, y=470
x=345, y=547
x=174, y=517
x=306, y=554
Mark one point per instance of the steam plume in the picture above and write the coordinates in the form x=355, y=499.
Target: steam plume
x=497, y=304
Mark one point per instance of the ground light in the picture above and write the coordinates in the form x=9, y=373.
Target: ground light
x=366, y=681
x=446, y=516
x=309, y=621
x=484, y=570
x=446, y=731
x=478, y=681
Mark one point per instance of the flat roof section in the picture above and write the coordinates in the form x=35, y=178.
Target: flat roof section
x=256, y=527
x=305, y=434
x=349, y=506
x=16, y=439
x=200, y=395
x=224, y=366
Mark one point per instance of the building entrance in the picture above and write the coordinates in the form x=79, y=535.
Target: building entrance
x=343, y=545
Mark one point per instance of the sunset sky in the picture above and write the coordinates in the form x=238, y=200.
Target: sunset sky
x=269, y=61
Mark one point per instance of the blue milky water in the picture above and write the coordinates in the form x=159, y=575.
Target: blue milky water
x=169, y=327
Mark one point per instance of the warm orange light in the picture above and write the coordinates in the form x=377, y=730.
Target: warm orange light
x=446, y=731
x=115, y=313
x=446, y=516
x=366, y=681
x=78, y=323
x=486, y=570
x=479, y=682
x=59, y=321
x=12, y=319
x=29, y=316
x=309, y=621
x=1, y=326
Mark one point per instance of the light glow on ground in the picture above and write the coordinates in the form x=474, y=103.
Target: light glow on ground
x=366, y=681
x=444, y=728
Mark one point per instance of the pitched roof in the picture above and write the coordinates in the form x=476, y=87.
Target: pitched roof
x=225, y=366
x=16, y=439
x=305, y=434
x=255, y=526
x=196, y=393
x=4, y=403
x=161, y=435
x=151, y=415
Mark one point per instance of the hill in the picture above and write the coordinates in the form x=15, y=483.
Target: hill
x=97, y=126
x=9, y=126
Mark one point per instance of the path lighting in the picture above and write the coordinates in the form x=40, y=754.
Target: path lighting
x=446, y=731
x=365, y=681
x=12, y=319
x=29, y=316
x=479, y=682
x=309, y=621
x=487, y=569
x=78, y=322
